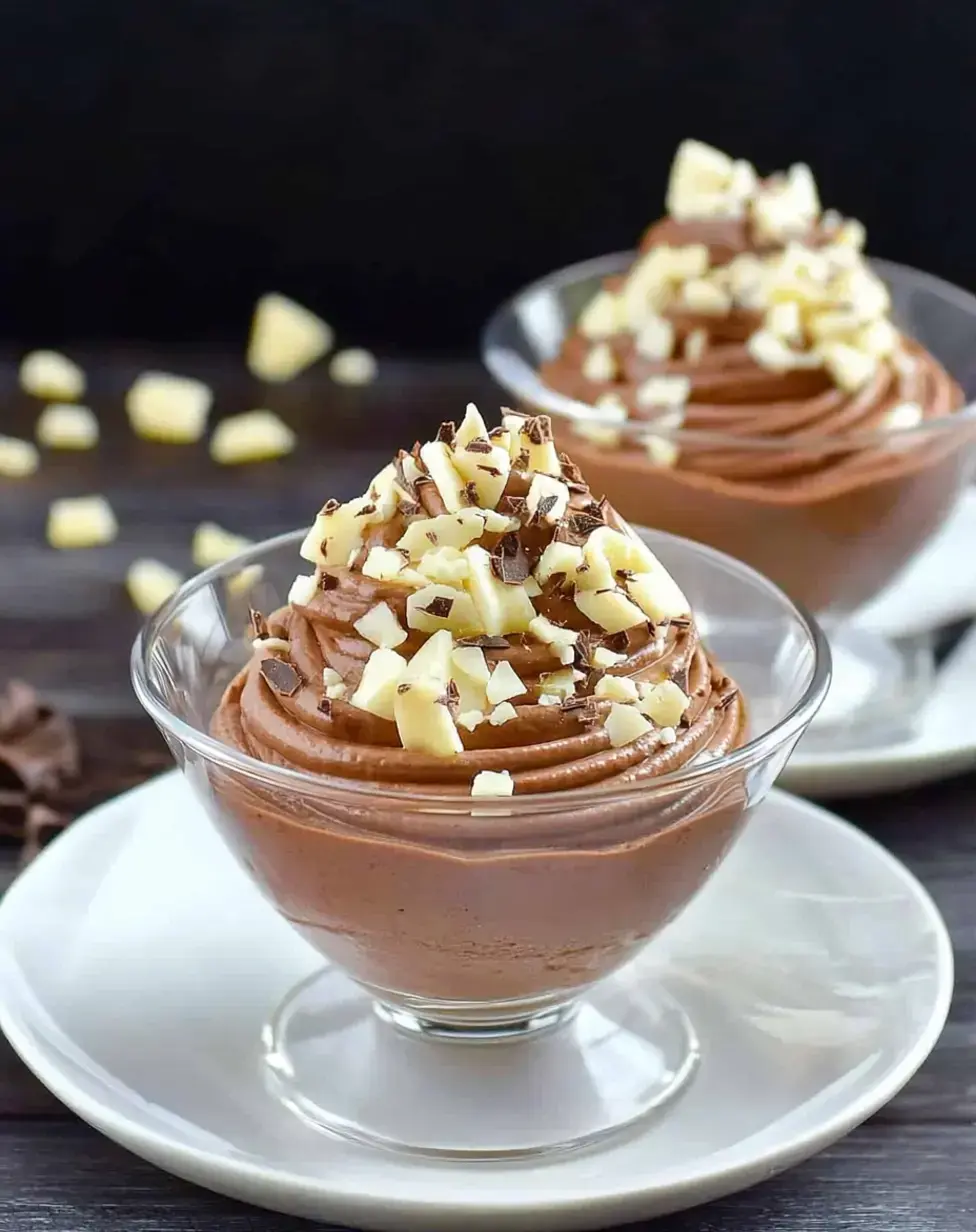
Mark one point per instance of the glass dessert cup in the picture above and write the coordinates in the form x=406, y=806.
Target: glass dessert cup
x=505, y=924
x=833, y=552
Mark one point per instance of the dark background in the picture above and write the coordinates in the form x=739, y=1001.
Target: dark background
x=401, y=165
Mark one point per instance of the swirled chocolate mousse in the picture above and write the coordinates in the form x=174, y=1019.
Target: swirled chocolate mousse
x=755, y=342
x=478, y=624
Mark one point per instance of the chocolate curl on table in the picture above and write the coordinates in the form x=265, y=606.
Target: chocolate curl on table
x=38, y=753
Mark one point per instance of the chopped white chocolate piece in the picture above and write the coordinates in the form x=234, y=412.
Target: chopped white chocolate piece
x=423, y=717
x=599, y=363
x=503, y=683
x=504, y=712
x=330, y=676
x=561, y=684
x=559, y=558
x=63, y=425
x=433, y=660
x=17, y=458
x=547, y=499
x=471, y=428
x=695, y=345
x=661, y=452
x=381, y=627
x=625, y=724
x=243, y=580
x=377, y=687
x=903, y=416
x=879, y=339
x=503, y=608
x=470, y=719
x=447, y=530
x=665, y=703
x=383, y=564
x=335, y=692
x=492, y=783
x=80, y=522
x=353, y=366
x=471, y=661
x=253, y=436
x=384, y=494
x=469, y=671
x=497, y=523
x=336, y=535
x=664, y=391
x=553, y=635
x=770, y=352
x=623, y=552
x=479, y=460
x=609, y=609
x=602, y=656
x=303, y=589
x=150, y=583
x=51, y=375
x=285, y=338
x=698, y=295
x=699, y=182
x=212, y=545
x=601, y=317
x=658, y=595
x=832, y=323
x=667, y=735
x=850, y=368
x=616, y=689
x=610, y=408
x=785, y=321
x=164, y=407
x=266, y=645
x=532, y=587
x=442, y=607
x=549, y=699
x=438, y=458
x=446, y=565
x=655, y=339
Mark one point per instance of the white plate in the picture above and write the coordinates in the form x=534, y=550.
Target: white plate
x=137, y=966
x=939, y=587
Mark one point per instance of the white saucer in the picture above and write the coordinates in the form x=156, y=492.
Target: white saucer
x=137, y=966
x=938, y=588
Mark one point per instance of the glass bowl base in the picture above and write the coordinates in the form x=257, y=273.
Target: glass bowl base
x=557, y=1080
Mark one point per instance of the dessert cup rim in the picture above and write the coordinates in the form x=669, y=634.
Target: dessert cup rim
x=213, y=750
x=519, y=379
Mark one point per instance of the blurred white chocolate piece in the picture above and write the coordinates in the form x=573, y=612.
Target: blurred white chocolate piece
x=601, y=316
x=150, y=583
x=63, y=425
x=285, y=338
x=165, y=407
x=353, y=366
x=383, y=564
x=671, y=391
x=599, y=363
x=655, y=339
x=81, y=522
x=492, y=783
x=253, y=436
x=51, y=375
x=212, y=545
x=17, y=458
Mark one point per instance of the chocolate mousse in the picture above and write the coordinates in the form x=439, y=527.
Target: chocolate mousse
x=789, y=422
x=479, y=625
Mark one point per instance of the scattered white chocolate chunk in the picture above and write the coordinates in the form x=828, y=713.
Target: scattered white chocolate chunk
x=65, y=425
x=609, y=409
x=553, y=635
x=335, y=692
x=658, y=595
x=625, y=724
x=279, y=645
x=285, y=338
x=479, y=460
x=503, y=683
x=785, y=321
x=51, y=375
x=667, y=735
x=492, y=783
x=437, y=606
x=549, y=699
x=383, y=564
x=80, y=522
x=470, y=719
x=504, y=712
x=599, y=363
x=433, y=660
x=547, y=499
x=601, y=316
x=698, y=295
x=150, y=583
x=253, y=436
x=330, y=676
x=616, y=688
x=164, y=407
x=446, y=530
x=502, y=608
x=243, y=580
x=353, y=366
x=664, y=391
x=561, y=684
x=903, y=416
x=610, y=609
x=655, y=339
x=437, y=456
x=446, y=565
x=559, y=558
x=661, y=452
x=470, y=673
x=850, y=368
x=212, y=545
x=17, y=458
x=377, y=687
x=769, y=351
x=602, y=656
x=695, y=345
x=665, y=703
x=700, y=182
x=423, y=717
x=381, y=627
x=303, y=589
x=879, y=339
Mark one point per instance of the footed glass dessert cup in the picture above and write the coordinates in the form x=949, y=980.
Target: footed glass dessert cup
x=480, y=995
x=880, y=495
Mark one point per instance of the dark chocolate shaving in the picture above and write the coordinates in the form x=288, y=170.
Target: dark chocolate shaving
x=283, y=677
x=509, y=561
x=258, y=626
x=571, y=472
x=401, y=474
x=330, y=506
x=680, y=677
x=328, y=581
x=38, y=745
x=618, y=642
x=487, y=641
x=403, y=688
x=490, y=470
x=431, y=535
x=522, y=461
x=446, y=433
x=410, y=509
x=471, y=492
x=497, y=434
x=512, y=506
x=439, y=607
x=365, y=511
x=544, y=508
x=478, y=445
x=583, y=523
x=539, y=429
x=453, y=698
x=680, y=622
x=728, y=696
x=325, y=707
x=583, y=649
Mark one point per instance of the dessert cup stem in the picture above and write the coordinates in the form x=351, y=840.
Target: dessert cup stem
x=554, y=1080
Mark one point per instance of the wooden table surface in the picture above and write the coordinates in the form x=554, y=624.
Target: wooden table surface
x=66, y=626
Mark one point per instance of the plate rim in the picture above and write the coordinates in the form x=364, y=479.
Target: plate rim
x=233, y=1177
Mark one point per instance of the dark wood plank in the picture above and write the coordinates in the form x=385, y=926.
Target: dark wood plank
x=65, y=1178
